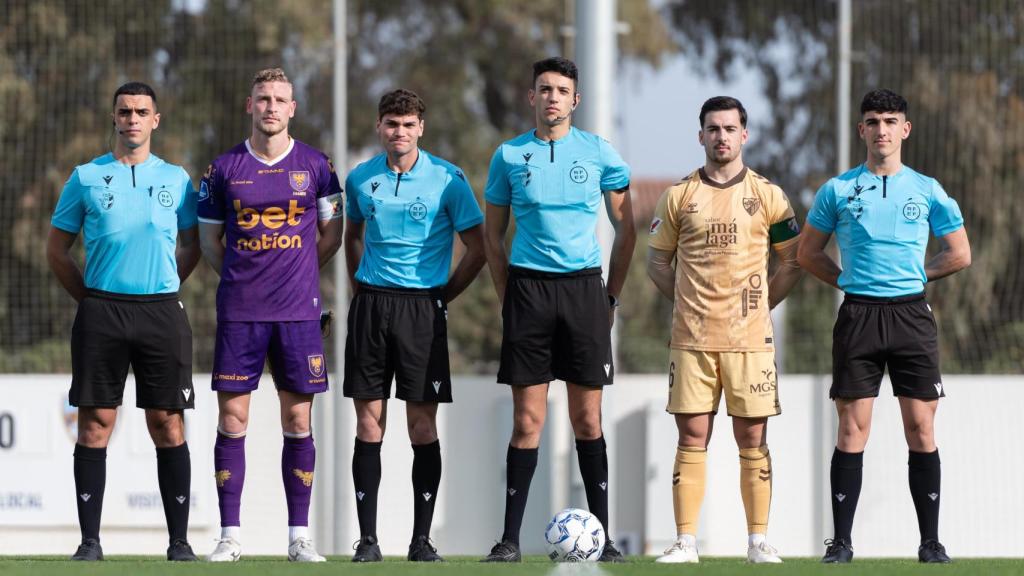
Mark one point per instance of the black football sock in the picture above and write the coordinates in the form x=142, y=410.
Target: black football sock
x=174, y=472
x=520, y=465
x=925, y=472
x=426, y=477
x=366, y=479
x=593, y=459
x=90, y=481
x=846, y=476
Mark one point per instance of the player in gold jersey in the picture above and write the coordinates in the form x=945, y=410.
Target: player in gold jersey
x=718, y=224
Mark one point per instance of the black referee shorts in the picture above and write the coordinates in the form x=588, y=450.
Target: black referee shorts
x=150, y=333
x=555, y=327
x=400, y=334
x=872, y=333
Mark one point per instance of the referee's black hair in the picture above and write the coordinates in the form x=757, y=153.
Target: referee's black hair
x=883, y=100
x=135, y=89
x=401, y=102
x=562, y=66
x=720, y=104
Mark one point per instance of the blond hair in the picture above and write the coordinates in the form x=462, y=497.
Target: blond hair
x=270, y=75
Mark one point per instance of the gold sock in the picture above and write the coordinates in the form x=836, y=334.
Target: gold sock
x=756, y=487
x=688, y=477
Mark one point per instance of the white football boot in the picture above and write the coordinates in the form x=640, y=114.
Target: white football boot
x=762, y=553
x=301, y=550
x=683, y=551
x=227, y=550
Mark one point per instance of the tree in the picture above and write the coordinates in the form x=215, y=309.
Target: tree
x=959, y=65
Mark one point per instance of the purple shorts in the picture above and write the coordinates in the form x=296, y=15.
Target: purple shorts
x=295, y=350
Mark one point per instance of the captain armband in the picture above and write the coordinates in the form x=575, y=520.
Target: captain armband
x=785, y=230
x=329, y=207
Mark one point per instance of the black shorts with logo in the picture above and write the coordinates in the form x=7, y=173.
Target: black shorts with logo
x=397, y=333
x=872, y=333
x=556, y=327
x=150, y=333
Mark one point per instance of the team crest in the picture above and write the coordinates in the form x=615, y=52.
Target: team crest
x=299, y=180
x=306, y=477
x=316, y=365
x=751, y=205
x=107, y=200
x=418, y=210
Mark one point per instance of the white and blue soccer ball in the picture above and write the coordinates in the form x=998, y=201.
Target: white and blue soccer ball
x=574, y=535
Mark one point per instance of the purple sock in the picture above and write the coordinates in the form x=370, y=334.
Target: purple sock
x=297, y=461
x=229, y=471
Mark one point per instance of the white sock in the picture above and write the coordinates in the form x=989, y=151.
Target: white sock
x=233, y=532
x=755, y=539
x=687, y=539
x=296, y=532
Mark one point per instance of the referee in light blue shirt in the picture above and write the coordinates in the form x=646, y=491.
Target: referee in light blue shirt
x=404, y=208
x=882, y=213
x=557, y=311
x=137, y=216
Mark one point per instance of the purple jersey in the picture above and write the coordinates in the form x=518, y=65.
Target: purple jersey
x=270, y=210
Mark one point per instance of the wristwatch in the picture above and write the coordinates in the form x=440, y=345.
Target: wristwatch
x=613, y=301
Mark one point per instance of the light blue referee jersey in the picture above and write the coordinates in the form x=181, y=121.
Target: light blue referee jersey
x=881, y=224
x=411, y=218
x=129, y=217
x=555, y=189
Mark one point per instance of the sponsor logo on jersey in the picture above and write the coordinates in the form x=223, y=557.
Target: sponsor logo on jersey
x=306, y=477
x=751, y=205
x=273, y=217
x=691, y=208
x=107, y=179
x=299, y=180
x=374, y=186
x=222, y=476
x=721, y=234
x=750, y=297
x=316, y=365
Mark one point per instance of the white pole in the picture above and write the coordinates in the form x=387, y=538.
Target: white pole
x=596, y=53
x=337, y=459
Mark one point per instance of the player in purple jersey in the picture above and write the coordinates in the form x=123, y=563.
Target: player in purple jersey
x=261, y=207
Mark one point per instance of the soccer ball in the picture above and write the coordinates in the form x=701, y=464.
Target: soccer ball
x=574, y=535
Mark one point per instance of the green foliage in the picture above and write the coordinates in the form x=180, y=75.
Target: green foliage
x=960, y=66
x=60, y=61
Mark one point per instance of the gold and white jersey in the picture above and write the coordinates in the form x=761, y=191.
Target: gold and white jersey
x=721, y=234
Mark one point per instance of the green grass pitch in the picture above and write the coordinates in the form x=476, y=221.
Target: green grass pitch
x=533, y=565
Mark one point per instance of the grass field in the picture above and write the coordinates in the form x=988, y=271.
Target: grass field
x=534, y=565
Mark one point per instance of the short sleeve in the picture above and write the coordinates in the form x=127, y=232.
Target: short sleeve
x=352, y=211
x=461, y=203
x=210, y=200
x=944, y=214
x=664, y=229
x=498, y=191
x=69, y=215
x=782, y=224
x=187, y=209
x=614, y=171
x=329, y=193
x=823, y=212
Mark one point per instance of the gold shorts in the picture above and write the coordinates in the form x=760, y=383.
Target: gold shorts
x=696, y=381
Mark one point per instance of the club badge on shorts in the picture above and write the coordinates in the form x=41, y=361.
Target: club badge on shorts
x=316, y=365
